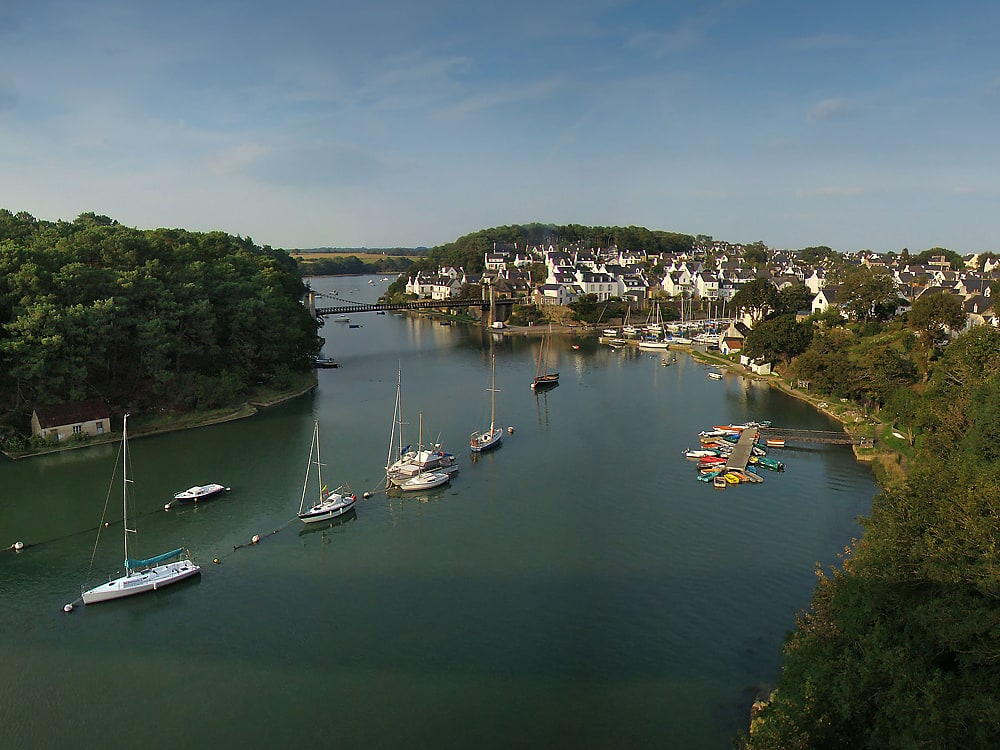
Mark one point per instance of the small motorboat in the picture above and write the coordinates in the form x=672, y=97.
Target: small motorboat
x=424, y=481
x=197, y=494
x=326, y=362
x=719, y=482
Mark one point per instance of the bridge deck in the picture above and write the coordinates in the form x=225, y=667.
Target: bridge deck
x=360, y=307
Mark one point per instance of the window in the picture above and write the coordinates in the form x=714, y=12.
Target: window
x=77, y=429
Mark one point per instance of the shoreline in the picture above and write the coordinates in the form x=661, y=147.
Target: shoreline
x=887, y=463
x=146, y=426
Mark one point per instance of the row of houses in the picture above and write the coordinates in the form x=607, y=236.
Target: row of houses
x=635, y=276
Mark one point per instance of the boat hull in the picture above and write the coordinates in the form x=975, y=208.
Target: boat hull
x=485, y=441
x=425, y=481
x=328, y=509
x=199, y=494
x=545, y=381
x=141, y=582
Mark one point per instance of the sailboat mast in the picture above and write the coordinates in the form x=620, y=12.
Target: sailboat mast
x=396, y=417
x=125, y=488
x=319, y=464
x=305, y=481
x=493, y=390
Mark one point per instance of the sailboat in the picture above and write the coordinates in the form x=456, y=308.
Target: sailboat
x=414, y=476
x=483, y=441
x=544, y=378
x=627, y=329
x=140, y=575
x=329, y=503
x=403, y=464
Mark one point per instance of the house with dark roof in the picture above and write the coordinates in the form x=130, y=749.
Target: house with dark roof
x=825, y=299
x=733, y=337
x=60, y=421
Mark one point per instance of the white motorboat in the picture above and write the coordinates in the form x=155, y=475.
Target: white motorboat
x=140, y=575
x=197, y=494
x=650, y=345
x=424, y=481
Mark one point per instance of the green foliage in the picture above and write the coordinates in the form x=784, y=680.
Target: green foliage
x=755, y=254
x=339, y=265
x=779, y=338
x=900, y=648
x=933, y=314
x=759, y=299
x=815, y=255
x=827, y=363
x=143, y=318
x=522, y=315
x=955, y=260
x=868, y=294
x=795, y=299
x=469, y=251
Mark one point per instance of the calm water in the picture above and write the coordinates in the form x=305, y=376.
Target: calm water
x=575, y=588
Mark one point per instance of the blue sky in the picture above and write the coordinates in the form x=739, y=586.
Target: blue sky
x=404, y=123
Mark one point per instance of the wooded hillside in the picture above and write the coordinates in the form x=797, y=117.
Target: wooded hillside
x=162, y=319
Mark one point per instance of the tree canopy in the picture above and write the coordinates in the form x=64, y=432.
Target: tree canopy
x=933, y=315
x=899, y=648
x=759, y=299
x=868, y=294
x=162, y=318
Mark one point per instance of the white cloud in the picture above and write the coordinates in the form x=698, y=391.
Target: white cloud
x=829, y=109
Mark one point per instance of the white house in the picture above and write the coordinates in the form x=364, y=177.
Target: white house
x=824, y=299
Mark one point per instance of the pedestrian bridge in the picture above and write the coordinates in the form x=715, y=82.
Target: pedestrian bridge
x=347, y=306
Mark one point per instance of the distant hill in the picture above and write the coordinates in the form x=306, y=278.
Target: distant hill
x=361, y=250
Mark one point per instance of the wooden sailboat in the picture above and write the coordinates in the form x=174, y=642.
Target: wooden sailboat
x=483, y=441
x=329, y=503
x=544, y=378
x=140, y=575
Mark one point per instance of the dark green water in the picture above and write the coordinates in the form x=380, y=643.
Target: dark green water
x=575, y=588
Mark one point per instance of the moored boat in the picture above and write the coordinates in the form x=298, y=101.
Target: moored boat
x=424, y=481
x=329, y=504
x=144, y=575
x=197, y=494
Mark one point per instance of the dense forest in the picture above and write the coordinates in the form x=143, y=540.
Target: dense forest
x=901, y=647
x=162, y=319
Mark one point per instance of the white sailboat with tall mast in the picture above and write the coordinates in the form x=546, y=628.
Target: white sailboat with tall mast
x=329, y=503
x=484, y=441
x=403, y=464
x=414, y=477
x=140, y=575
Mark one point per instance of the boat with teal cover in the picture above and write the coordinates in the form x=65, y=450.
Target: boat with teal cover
x=141, y=575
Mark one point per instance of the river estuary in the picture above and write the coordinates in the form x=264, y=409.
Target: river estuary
x=576, y=587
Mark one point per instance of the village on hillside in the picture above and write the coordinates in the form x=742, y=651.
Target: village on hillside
x=703, y=282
